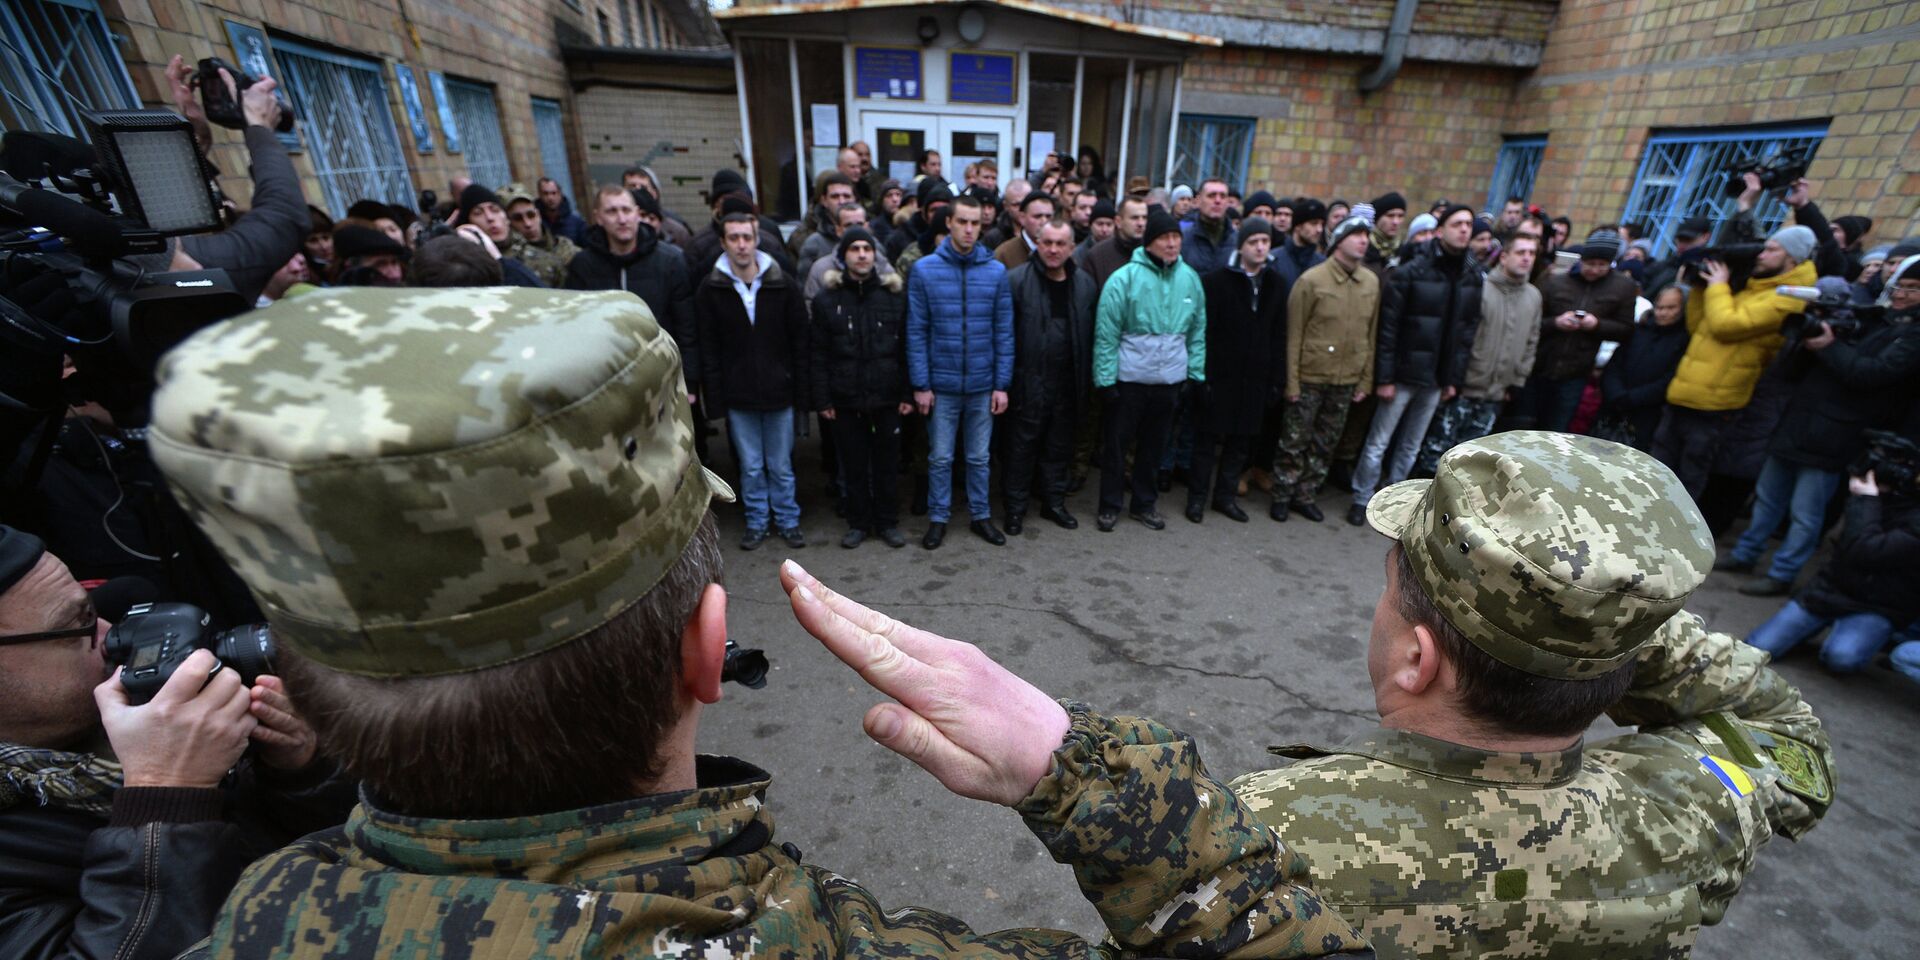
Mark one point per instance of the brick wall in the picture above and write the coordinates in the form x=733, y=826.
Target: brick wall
x=683, y=136
x=1613, y=72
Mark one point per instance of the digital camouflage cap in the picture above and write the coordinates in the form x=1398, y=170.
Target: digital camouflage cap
x=1556, y=554
x=419, y=482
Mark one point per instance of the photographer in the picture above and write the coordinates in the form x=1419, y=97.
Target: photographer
x=128, y=851
x=278, y=223
x=1843, y=387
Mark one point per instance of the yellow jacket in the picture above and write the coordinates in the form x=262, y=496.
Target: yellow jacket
x=1735, y=336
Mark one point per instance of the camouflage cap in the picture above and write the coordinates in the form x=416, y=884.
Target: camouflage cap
x=418, y=482
x=1557, y=554
x=516, y=191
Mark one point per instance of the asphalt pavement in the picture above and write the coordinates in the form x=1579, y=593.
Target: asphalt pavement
x=1245, y=636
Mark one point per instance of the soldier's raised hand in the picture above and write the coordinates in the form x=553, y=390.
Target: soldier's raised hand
x=980, y=730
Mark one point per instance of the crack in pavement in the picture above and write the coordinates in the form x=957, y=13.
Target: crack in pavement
x=1110, y=645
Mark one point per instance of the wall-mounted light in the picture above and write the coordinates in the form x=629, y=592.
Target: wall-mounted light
x=971, y=25
x=929, y=30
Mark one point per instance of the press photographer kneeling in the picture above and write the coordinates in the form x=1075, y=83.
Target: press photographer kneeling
x=124, y=823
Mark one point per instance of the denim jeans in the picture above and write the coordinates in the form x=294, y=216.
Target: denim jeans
x=1406, y=417
x=952, y=413
x=1906, y=651
x=1787, y=490
x=764, y=441
x=1856, y=638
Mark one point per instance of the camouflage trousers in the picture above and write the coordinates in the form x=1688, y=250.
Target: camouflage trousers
x=1459, y=420
x=1309, y=428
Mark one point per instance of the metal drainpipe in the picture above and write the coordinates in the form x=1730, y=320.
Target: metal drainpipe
x=1396, y=48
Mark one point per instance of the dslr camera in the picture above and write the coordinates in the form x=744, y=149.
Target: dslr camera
x=1895, y=462
x=1831, y=304
x=224, y=108
x=156, y=638
x=1776, y=172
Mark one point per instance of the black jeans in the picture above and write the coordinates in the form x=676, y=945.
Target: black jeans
x=1688, y=440
x=868, y=445
x=1232, y=459
x=1143, y=411
x=1039, y=439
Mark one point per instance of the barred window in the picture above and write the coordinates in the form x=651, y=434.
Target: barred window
x=478, y=118
x=1686, y=173
x=351, y=139
x=59, y=59
x=1513, y=173
x=552, y=131
x=1212, y=147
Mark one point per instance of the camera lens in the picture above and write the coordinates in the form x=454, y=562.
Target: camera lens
x=248, y=649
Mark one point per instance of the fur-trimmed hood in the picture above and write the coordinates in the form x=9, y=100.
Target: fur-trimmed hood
x=889, y=278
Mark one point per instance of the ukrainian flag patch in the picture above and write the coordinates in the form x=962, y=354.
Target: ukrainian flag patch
x=1728, y=773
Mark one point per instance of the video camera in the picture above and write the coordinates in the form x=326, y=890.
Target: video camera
x=223, y=107
x=1895, y=462
x=1830, y=303
x=1740, y=259
x=156, y=638
x=1776, y=172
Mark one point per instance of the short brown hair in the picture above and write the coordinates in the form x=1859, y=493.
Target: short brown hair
x=576, y=726
x=1501, y=698
x=453, y=261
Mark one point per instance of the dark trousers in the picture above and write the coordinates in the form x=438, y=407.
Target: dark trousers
x=1556, y=401
x=1039, y=439
x=1687, y=440
x=1144, y=413
x=1232, y=459
x=868, y=445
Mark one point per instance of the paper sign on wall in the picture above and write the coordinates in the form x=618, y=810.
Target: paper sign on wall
x=1039, y=144
x=826, y=125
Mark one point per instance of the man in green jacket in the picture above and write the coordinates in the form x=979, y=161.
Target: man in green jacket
x=489, y=556
x=1149, y=341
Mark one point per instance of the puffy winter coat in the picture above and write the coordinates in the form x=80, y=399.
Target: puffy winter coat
x=1509, y=335
x=959, y=322
x=1152, y=324
x=1634, y=383
x=760, y=364
x=1570, y=354
x=1875, y=568
x=1246, y=349
x=1735, y=336
x=859, y=342
x=1202, y=252
x=1842, y=391
x=657, y=272
x=1031, y=307
x=1427, y=320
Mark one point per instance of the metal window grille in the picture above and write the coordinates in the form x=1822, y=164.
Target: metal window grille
x=59, y=59
x=1210, y=146
x=354, y=146
x=1514, y=171
x=653, y=16
x=1683, y=174
x=478, y=118
x=552, y=132
x=626, y=23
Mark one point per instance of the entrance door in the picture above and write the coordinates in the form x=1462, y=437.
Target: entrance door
x=898, y=139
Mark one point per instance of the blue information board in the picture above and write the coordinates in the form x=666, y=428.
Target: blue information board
x=980, y=78
x=887, y=73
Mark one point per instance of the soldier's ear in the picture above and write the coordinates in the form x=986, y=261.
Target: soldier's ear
x=703, y=646
x=1418, y=668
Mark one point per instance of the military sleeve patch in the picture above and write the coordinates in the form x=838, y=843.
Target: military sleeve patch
x=1802, y=772
x=1728, y=773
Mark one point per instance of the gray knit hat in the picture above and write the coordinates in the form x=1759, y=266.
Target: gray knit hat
x=1797, y=241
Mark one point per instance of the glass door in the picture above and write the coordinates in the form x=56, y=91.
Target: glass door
x=973, y=139
x=897, y=140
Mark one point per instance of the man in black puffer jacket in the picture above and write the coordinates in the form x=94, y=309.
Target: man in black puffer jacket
x=857, y=380
x=621, y=253
x=1053, y=308
x=1429, y=312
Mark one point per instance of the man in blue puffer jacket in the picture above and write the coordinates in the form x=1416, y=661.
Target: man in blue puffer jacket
x=960, y=358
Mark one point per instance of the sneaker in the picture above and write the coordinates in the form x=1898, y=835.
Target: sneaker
x=853, y=538
x=794, y=538
x=1766, y=587
x=892, y=537
x=1106, y=521
x=752, y=539
x=1150, y=519
x=1727, y=563
x=1357, y=515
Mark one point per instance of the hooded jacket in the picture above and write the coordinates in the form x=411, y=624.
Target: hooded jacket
x=1152, y=324
x=656, y=273
x=959, y=322
x=858, y=345
x=752, y=364
x=1428, y=318
x=1734, y=337
x=1509, y=335
x=1246, y=348
x=565, y=222
x=1031, y=312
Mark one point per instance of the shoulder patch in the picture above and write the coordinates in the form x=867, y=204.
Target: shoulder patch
x=1802, y=772
x=1728, y=773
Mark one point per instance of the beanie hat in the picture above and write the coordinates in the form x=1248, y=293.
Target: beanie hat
x=1447, y=212
x=370, y=210
x=1480, y=226
x=888, y=184
x=473, y=196
x=1358, y=220
x=1853, y=227
x=19, y=551
x=1260, y=198
x=924, y=190
x=536, y=470
x=735, y=203
x=1693, y=227
x=852, y=236
x=1389, y=201
x=1602, y=244
x=1159, y=222
x=1180, y=192
x=1307, y=209
x=937, y=221
x=728, y=180
x=646, y=201
x=1252, y=227
x=1421, y=223
x=1797, y=241
x=1103, y=210
x=1877, y=254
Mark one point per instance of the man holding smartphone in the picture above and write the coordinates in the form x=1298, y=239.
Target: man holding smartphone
x=1579, y=308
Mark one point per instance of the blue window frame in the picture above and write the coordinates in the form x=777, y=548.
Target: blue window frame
x=351, y=139
x=1514, y=171
x=477, y=117
x=1682, y=174
x=551, y=129
x=58, y=60
x=1210, y=146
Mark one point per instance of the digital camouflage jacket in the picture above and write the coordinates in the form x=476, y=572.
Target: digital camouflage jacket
x=1621, y=849
x=1175, y=864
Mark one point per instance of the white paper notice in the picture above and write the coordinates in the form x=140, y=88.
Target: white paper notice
x=987, y=142
x=901, y=170
x=1039, y=144
x=826, y=125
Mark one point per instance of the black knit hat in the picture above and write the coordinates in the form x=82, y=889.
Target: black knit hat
x=735, y=203
x=1447, y=213
x=1252, y=227
x=646, y=201
x=728, y=180
x=19, y=551
x=1693, y=227
x=926, y=188
x=1102, y=210
x=354, y=240
x=1159, y=222
x=848, y=238
x=1853, y=227
x=1307, y=210
x=1391, y=200
x=1480, y=226
x=473, y=196
x=1260, y=198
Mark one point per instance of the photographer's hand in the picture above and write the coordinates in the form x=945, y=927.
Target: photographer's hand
x=981, y=731
x=1821, y=342
x=479, y=237
x=1866, y=486
x=259, y=104
x=1798, y=194
x=285, y=739
x=1751, y=194
x=1713, y=271
x=180, y=79
x=190, y=735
